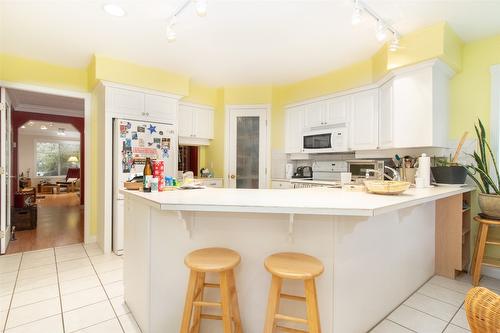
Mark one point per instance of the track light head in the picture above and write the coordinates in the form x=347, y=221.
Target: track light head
x=201, y=7
x=381, y=33
x=356, y=13
x=394, y=45
x=171, y=34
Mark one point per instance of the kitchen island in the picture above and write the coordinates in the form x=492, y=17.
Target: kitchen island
x=376, y=250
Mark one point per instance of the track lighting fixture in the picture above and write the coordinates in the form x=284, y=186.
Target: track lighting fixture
x=381, y=33
x=356, y=13
x=382, y=27
x=171, y=34
x=201, y=7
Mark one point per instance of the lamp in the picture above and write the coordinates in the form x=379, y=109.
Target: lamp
x=73, y=159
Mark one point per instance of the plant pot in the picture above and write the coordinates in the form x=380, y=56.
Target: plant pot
x=490, y=205
x=453, y=174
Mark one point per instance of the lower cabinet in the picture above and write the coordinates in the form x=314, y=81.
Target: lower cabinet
x=212, y=182
x=281, y=184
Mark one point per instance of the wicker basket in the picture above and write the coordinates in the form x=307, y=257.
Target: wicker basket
x=483, y=310
x=390, y=187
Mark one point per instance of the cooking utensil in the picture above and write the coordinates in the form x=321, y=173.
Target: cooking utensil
x=459, y=148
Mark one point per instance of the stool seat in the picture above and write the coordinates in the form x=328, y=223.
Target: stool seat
x=294, y=266
x=486, y=220
x=214, y=259
x=482, y=240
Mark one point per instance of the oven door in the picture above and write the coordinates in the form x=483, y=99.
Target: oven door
x=317, y=142
x=358, y=168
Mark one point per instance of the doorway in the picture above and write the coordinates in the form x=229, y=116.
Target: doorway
x=47, y=164
x=247, y=146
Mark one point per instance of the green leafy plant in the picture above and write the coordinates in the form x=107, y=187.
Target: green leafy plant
x=480, y=171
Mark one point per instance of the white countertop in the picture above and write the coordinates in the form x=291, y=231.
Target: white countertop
x=320, y=200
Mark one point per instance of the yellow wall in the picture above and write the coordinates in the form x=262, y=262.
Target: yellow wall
x=201, y=94
x=214, y=154
x=248, y=94
x=29, y=71
x=109, y=69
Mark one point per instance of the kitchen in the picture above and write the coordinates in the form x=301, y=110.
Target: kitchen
x=265, y=166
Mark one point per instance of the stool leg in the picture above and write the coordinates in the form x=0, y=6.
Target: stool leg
x=188, y=305
x=480, y=254
x=312, y=307
x=476, y=246
x=225, y=296
x=273, y=303
x=199, y=289
x=234, y=303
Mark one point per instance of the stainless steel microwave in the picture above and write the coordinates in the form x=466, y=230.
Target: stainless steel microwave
x=358, y=168
x=325, y=140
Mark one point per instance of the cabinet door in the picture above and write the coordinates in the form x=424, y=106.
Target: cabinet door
x=336, y=110
x=186, y=121
x=125, y=101
x=340, y=140
x=386, y=121
x=294, y=124
x=315, y=113
x=203, y=123
x=364, y=120
x=161, y=107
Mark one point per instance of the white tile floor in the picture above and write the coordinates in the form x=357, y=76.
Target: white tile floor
x=65, y=289
x=78, y=289
x=436, y=307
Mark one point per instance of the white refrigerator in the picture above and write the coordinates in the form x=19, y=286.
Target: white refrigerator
x=133, y=141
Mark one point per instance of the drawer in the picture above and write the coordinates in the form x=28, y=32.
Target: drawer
x=217, y=183
x=276, y=184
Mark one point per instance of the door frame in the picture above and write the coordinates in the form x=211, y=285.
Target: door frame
x=87, y=237
x=228, y=108
x=5, y=195
x=495, y=109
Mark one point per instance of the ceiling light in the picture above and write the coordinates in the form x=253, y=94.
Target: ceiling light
x=394, y=45
x=171, y=34
x=114, y=10
x=51, y=124
x=31, y=123
x=61, y=132
x=381, y=33
x=201, y=7
x=43, y=127
x=23, y=126
x=356, y=14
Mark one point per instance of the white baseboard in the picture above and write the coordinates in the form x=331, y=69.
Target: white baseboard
x=491, y=272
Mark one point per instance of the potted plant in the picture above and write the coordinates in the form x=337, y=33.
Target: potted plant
x=489, y=188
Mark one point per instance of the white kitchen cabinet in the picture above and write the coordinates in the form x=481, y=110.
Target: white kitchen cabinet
x=212, y=182
x=294, y=126
x=141, y=105
x=196, y=122
x=340, y=142
x=161, y=107
x=315, y=114
x=364, y=120
x=281, y=184
x=337, y=110
x=386, y=111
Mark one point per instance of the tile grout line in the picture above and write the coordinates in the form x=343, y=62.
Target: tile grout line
x=392, y=321
x=12, y=295
x=104, y=289
x=429, y=314
x=437, y=299
x=59, y=289
x=449, y=323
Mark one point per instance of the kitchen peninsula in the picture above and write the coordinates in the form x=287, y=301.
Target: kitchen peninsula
x=376, y=250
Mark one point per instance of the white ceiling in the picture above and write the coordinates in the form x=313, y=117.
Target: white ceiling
x=28, y=101
x=238, y=42
x=33, y=128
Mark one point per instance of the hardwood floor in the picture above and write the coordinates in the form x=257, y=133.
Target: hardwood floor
x=60, y=222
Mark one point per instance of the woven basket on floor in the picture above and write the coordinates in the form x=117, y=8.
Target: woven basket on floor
x=483, y=310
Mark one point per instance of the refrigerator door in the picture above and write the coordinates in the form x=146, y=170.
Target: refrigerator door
x=133, y=141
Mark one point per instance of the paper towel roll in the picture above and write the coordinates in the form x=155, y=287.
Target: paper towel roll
x=424, y=169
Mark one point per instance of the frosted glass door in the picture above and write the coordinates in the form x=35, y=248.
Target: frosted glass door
x=247, y=148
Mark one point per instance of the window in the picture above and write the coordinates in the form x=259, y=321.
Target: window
x=52, y=157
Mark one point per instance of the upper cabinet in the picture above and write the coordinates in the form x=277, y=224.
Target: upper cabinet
x=414, y=107
x=196, y=124
x=364, y=120
x=140, y=105
x=294, y=124
x=332, y=111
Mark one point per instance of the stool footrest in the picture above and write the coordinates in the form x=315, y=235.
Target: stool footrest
x=212, y=285
x=204, y=303
x=289, y=329
x=280, y=316
x=493, y=262
x=293, y=297
x=211, y=316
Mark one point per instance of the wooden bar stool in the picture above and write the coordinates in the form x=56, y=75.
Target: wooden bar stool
x=293, y=266
x=482, y=240
x=211, y=260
